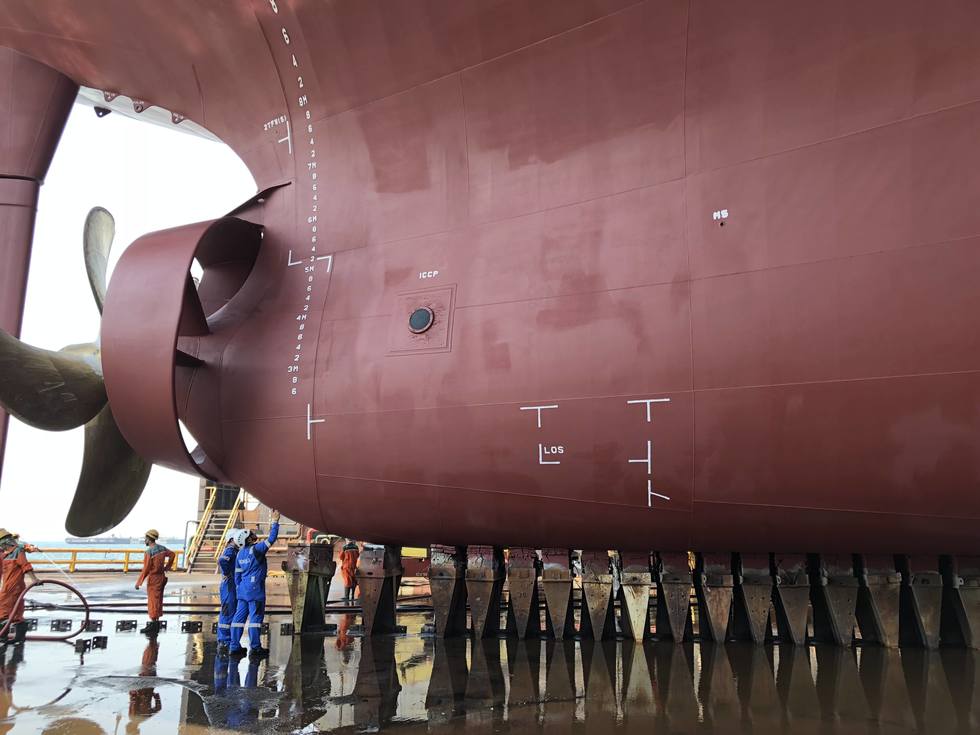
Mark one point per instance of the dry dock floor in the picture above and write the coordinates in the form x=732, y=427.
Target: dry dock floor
x=412, y=683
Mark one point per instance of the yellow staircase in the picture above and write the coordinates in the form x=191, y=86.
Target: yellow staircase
x=209, y=540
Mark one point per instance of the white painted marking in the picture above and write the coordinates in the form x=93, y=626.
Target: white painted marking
x=288, y=140
x=651, y=495
x=310, y=421
x=648, y=401
x=290, y=261
x=541, y=459
x=539, y=409
x=648, y=460
x=719, y=214
x=328, y=258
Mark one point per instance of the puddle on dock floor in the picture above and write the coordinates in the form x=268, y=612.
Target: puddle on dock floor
x=414, y=684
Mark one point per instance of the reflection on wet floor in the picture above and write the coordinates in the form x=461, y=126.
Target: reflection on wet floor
x=412, y=683
x=322, y=684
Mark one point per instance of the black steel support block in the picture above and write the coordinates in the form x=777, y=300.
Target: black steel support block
x=123, y=626
x=190, y=626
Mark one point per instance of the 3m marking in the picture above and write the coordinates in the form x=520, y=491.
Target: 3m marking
x=310, y=421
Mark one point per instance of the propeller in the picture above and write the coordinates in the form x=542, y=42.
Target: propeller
x=62, y=390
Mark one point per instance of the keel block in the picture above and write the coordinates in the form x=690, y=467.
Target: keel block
x=311, y=568
x=556, y=580
x=522, y=586
x=484, y=584
x=961, y=600
x=673, y=594
x=833, y=593
x=921, y=601
x=714, y=586
x=753, y=597
x=379, y=571
x=447, y=581
x=878, y=603
x=634, y=592
x=597, y=584
x=791, y=597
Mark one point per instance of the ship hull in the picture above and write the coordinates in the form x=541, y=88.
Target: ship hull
x=701, y=277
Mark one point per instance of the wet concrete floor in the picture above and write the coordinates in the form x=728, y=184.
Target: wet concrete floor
x=411, y=683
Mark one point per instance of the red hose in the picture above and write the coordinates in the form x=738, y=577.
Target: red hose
x=63, y=636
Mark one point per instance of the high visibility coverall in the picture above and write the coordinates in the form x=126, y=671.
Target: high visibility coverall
x=251, y=570
x=15, y=567
x=229, y=598
x=157, y=561
x=348, y=569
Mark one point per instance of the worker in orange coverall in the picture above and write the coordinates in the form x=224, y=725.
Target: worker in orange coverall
x=17, y=573
x=157, y=561
x=348, y=569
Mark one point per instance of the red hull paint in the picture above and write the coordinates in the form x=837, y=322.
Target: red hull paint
x=765, y=213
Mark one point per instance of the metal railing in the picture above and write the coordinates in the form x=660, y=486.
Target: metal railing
x=232, y=517
x=108, y=560
x=195, y=544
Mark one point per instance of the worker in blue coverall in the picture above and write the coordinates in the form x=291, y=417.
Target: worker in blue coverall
x=250, y=571
x=229, y=599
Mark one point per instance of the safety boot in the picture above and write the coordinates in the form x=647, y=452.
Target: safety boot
x=237, y=653
x=151, y=629
x=254, y=654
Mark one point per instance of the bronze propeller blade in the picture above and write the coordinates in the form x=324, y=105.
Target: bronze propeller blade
x=97, y=236
x=63, y=390
x=112, y=479
x=49, y=390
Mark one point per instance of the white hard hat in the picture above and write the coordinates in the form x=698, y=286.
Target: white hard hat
x=240, y=536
